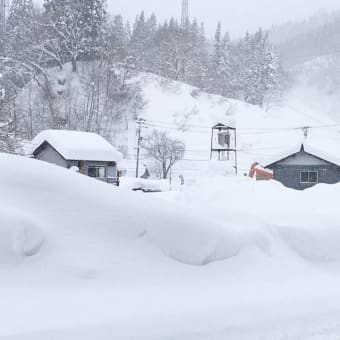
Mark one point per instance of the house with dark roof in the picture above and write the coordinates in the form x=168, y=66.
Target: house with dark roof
x=89, y=152
x=305, y=167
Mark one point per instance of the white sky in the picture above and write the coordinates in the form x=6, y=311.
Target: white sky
x=237, y=16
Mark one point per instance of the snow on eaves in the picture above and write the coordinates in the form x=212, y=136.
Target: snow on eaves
x=310, y=148
x=75, y=145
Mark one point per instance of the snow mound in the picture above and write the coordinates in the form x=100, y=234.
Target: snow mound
x=169, y=263
x=270, y=217
x=202, y=244
x=315, y=244
x=20, y=236
x=89, y=218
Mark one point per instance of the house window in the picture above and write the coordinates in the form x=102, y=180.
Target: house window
x=96, y=171
x=309, y=177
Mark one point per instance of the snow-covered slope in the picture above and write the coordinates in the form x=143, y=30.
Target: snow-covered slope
x=188, y=114
x=80, y=259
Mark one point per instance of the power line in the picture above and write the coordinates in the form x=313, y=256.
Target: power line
x=192, y=128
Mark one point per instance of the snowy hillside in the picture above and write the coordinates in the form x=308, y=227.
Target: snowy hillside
x=188, y=114
x=317, y=85
x=298, y=42
x=82, y=260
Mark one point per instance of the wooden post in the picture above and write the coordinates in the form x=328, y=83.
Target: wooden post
x=212, y=141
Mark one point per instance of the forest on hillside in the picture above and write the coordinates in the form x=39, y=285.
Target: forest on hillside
x=42, y=47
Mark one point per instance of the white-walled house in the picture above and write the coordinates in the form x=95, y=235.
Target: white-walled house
x=91, y=153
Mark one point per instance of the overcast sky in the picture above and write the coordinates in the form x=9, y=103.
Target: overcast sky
x=237, y=16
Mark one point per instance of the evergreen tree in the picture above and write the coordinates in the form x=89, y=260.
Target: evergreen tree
x=180, y=53
x=115, y=40
x=259, y=68
x=217, y=55
x=19, y=28
x=223, y=73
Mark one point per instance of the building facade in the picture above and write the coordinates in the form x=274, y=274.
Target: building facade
x=90, y=153
x=303, y=169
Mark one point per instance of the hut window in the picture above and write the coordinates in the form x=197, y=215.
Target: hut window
x=309, y=177
x=96, y=171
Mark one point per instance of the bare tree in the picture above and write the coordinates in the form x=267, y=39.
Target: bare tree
x=165, y=150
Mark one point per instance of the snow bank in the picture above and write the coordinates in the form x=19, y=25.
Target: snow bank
x=215, y=219
x=20, y=236
x=205, y=242
x=72, y=204
x=271, y=217
x=77, y=254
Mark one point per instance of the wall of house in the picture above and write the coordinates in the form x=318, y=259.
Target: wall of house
x=288, y=171
x=289, y=175
x=48, y=154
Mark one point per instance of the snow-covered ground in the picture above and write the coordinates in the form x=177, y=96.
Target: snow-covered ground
x=224, y=258
x=221, y=257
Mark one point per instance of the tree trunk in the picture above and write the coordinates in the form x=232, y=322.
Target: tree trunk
x=74, y=64
x=165, y=170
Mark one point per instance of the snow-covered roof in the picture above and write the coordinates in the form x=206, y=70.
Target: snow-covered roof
x=75, y=145
x=308, y=148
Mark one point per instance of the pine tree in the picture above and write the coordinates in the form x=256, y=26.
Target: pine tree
x=141, y=43
x=258, y=69
x=217, y=55
x=19, y=28
x=114, y=40
x=223, y=76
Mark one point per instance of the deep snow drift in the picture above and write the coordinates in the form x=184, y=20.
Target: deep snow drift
x=81, y=259
x=89, y=211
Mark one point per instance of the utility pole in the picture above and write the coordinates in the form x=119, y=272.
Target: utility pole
x=236, y=156
x=140, y=124
x=305, y=130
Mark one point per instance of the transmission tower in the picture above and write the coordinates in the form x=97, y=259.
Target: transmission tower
x=185, y=12
x=4, y=4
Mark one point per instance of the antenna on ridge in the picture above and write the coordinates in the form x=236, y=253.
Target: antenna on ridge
x=4, y=4
x=185, y=12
